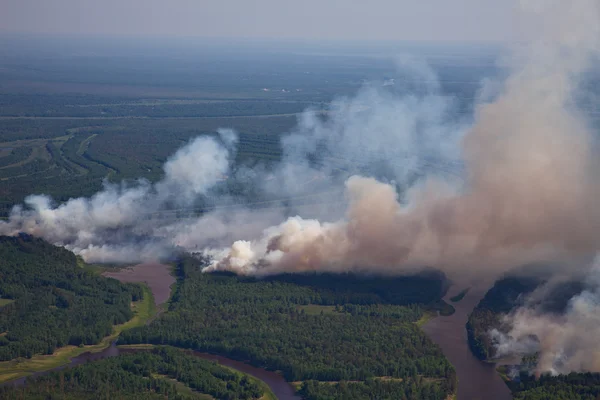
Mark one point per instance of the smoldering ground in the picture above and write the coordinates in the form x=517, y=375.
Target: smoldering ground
x=417, y=184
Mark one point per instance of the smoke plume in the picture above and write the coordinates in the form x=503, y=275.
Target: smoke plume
x=108, y=227
x=564, y=341
x=529, y=189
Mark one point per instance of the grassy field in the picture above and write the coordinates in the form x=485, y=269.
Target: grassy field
x=4, y=302
x=143, y=346
x=427, y=316
x=14, y=369
x=439, y=308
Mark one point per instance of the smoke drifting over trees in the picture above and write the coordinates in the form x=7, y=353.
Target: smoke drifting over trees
x=528, y=190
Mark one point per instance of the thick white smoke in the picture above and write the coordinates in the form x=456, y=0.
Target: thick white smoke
x=114, y=225
x=409, y=135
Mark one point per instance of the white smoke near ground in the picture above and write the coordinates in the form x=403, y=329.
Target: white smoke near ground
x=107, y=226
x=565, y=342
x=141, y=221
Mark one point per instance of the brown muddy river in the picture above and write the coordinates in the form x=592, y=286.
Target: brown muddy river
x=159, y=279
x=157, y=276
x=476, y=380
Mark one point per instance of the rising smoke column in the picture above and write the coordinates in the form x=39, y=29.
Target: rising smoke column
x=530, y=188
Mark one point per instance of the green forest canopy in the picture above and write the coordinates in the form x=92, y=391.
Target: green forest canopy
x=56, y=302
x=159, y=373
x=369, y=333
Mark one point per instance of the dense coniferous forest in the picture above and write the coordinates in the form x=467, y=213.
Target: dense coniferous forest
x=382, y=389
x=160, y=373
x=581, y=386
x=326, y=328
x=52, y=302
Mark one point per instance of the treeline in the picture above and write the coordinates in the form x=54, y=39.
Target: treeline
x=574, y=386
x=265, y=322
x=56, y=302
x=381, y=389
x=160, y=373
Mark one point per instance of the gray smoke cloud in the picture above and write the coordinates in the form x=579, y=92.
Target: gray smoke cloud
x=530, y=187
x=388, y=181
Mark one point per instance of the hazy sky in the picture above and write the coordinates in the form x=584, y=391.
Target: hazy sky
x=456, y=20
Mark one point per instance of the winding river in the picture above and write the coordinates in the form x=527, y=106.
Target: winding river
x=159, y=279
x=476, y=380
x=282, y=389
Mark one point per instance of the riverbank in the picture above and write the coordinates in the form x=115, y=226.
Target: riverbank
x=143, y=311
x=158, y=282
x=476, y=380
x=156, y=276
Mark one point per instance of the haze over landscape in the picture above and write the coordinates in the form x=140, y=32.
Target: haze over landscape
x=340, y=201
x=464, y=20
